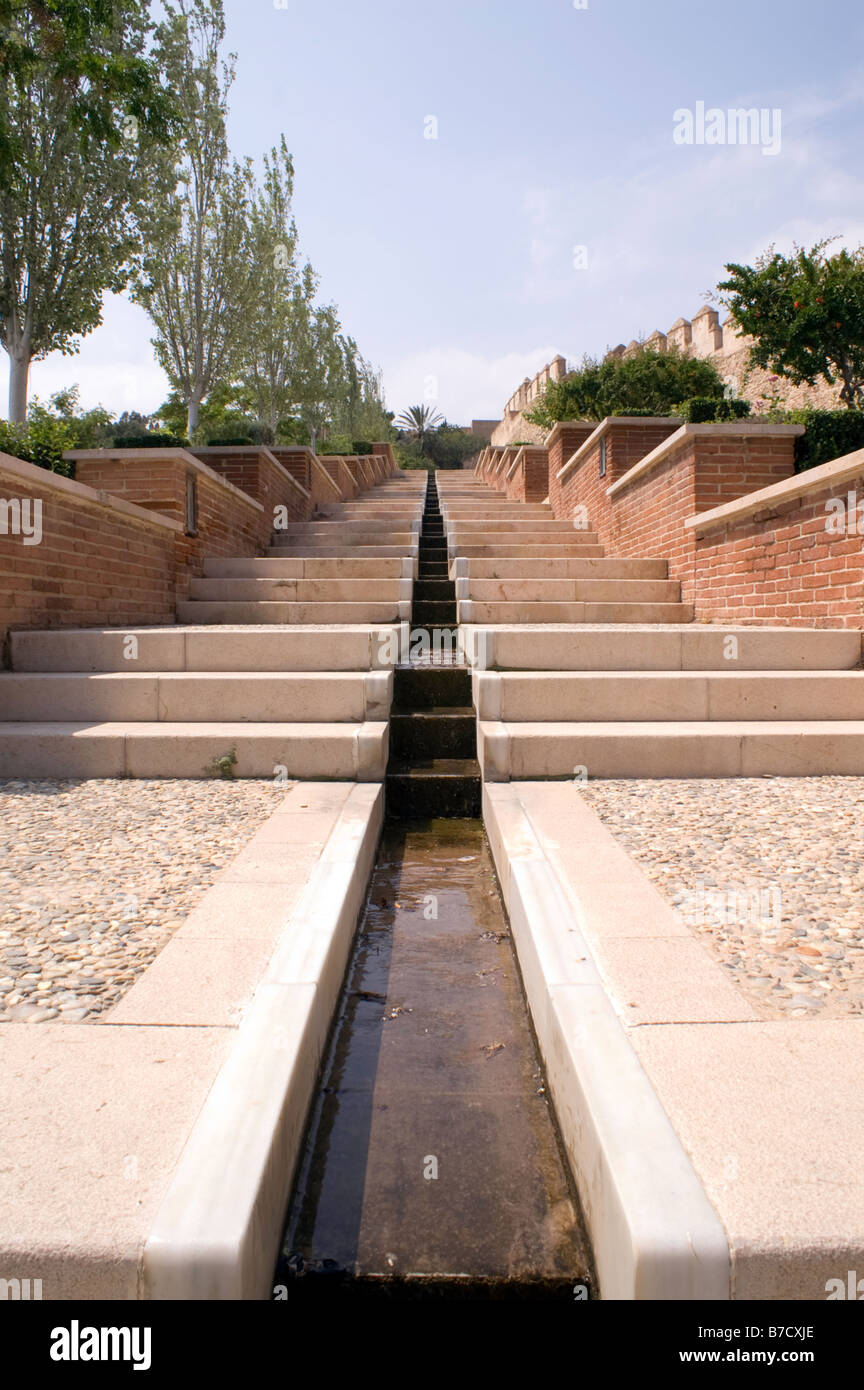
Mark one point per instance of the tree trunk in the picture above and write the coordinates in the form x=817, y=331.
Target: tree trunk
x=192, y=416
x=313, y=436
x=19, y=372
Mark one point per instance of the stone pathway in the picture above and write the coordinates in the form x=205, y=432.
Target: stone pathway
x=95, y=877
x=768, y=872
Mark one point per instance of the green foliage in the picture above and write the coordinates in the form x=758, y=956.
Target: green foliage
x=81, y=120
x=648, y=382
x=148, y=441
x=222, y=767
x=198, y=273
x=830, y=434
x=448, y=446
x=703, y=410
x=806, y=312
x=42, y=442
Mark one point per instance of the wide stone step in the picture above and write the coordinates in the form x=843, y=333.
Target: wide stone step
x=324, y=648
x=349, y=540
x=587, y=696
x=562, y=548
x=303, y=590
x=522, y=533
x=475, y=611
x=593, y=590
x=320, y=697
x=228, y=611
x=295, y=568
x=372, y=526
x=560, y=568
x=663, y=648
x=798, y=748
x=346, y=752
x=335, y=552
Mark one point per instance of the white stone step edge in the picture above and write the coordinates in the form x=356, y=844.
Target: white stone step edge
x=217, y=1232
x=654, y=1232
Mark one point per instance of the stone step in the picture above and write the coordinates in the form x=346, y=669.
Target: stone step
x=663, y=648
x=303, y=590
x=320, y=697
x=587, y=696
x=318, y=539
x=433, y=733
x=594, y=590
x=561, y=568
x=314, y=752
x=353, y=527
x=335, y=648
x=521, y=533
x=477, y=611
x=336, y=552
x=746, y=748
x=294, y=568
x=558, y=551
x=195, y=611
x=449, y=787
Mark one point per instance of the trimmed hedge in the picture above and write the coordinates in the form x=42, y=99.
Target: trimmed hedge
x=829, y=435
x=703, y=410
x=149, y=441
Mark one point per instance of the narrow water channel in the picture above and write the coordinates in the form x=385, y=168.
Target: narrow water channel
x=432, y=1165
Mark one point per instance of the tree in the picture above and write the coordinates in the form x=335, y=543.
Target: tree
x=419, y=420
x=199, y=271
x=806, y=312
x=321, y=367
x=270, y=369
x=81, y=120
x=448, y=446
x=647, y=382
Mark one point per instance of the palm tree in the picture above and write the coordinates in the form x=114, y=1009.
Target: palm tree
x=419, y=420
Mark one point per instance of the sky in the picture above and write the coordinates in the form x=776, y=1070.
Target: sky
x=482, y=184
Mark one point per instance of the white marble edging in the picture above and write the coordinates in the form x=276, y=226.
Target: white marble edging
x=217, y=1231
x=654, y=1232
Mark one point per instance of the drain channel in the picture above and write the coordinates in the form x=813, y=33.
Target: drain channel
x=432, y=1166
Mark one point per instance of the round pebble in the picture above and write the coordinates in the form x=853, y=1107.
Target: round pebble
x=766, y=872
x=96, y=876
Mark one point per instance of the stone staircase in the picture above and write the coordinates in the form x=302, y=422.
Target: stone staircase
x=514, y=563
x=354, y=562
x=281, y=665
x=617, y=681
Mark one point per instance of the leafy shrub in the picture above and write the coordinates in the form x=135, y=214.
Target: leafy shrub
x=707, y=410
x=40, y=441
x=647, y=382
x=230, y=441
x=829, y=434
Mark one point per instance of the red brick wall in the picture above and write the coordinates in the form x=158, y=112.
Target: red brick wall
x=95, y=565
x=647, y=518
x=785, y=567
x=262, y=477
x=567, y=439
x=229, y=523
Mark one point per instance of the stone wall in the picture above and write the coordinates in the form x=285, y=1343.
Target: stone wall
x=721, y=343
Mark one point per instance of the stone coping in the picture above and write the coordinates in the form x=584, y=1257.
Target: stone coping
x=175, y=455
x=738, y=429
x=33, y=476
x=604, y=428
x=749, y=1103
x=769, y=500
x=151, y=1155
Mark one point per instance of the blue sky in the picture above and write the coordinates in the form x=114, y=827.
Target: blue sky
x=453, y=258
